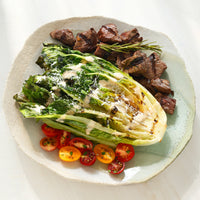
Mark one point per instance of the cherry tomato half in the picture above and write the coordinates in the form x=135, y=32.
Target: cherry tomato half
x=49, y=143
x=49, y=131
x=124, y=152
x=69, y=153
x=63, y=139
x=104, y=153
x=116, y=167
x=81, y=143
x=88, y=158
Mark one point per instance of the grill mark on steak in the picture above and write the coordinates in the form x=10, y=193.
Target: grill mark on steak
x=88, y=41
x=135, y=36
x=152, y=59
x=137, y=61
x=109, y=29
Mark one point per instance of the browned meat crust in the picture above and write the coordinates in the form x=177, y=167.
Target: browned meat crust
x=155, y=67
x=161, y=85
x=146, y=83
x=86, y=41
x=135, y=65
x=108, y=33
x=100, y=52
x=65, y=36
x=131, y=36
x=167, y=103
x=139, y=64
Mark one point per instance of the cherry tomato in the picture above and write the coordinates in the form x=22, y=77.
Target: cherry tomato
x=69, y=153
x=49, y=143
x=49, y=131
x=104, y=153
x=63, y=139
x=81, y=143
x=124, y=152
x=116, y=167
x=88, y=158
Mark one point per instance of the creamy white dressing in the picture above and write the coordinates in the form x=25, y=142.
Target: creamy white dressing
x=61, y=119
x=107, y=84
x=40, y=78
x=55, y=88
x=77, y=107
x=89, y=58
x=73, y=72
x=86, y=101
x=137, y=91
x=90, y=127
x=50, y=100
x=62, y=83
x=73, y=109
x=118, y=75
x=95, y=93
x=38, y=108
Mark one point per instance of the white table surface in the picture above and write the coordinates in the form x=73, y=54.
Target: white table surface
x=23, y=179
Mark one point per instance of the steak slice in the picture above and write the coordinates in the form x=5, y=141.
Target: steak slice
x=112, y=57
x=167, y=103
x=64, y=35
x=161, y=85
x=121, y=57
x=155, y=67
x=86, y=41
x=146, y=83
x=108, y=33
x=101, y=52
x=134, y=65
x=131, y=36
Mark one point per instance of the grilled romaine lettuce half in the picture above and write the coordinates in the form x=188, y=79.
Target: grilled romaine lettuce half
x=91, y=98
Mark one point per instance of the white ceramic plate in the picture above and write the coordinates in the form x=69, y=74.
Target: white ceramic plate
x=149, y=160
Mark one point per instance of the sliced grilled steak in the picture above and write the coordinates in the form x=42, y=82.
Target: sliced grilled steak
x=134, y=65
x=108, y=33
x=167, y=103
x=86, y=41
x=64, y=35
x=146, y=83
x=162, y=85
x=131, y=36
x=156, y=68
x=112, y=57
x=100, y=52
x=121, y=57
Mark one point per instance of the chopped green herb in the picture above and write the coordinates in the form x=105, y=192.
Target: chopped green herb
x=45, y=143
x=128, y=151
x=103, y=153
x=71, y=153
